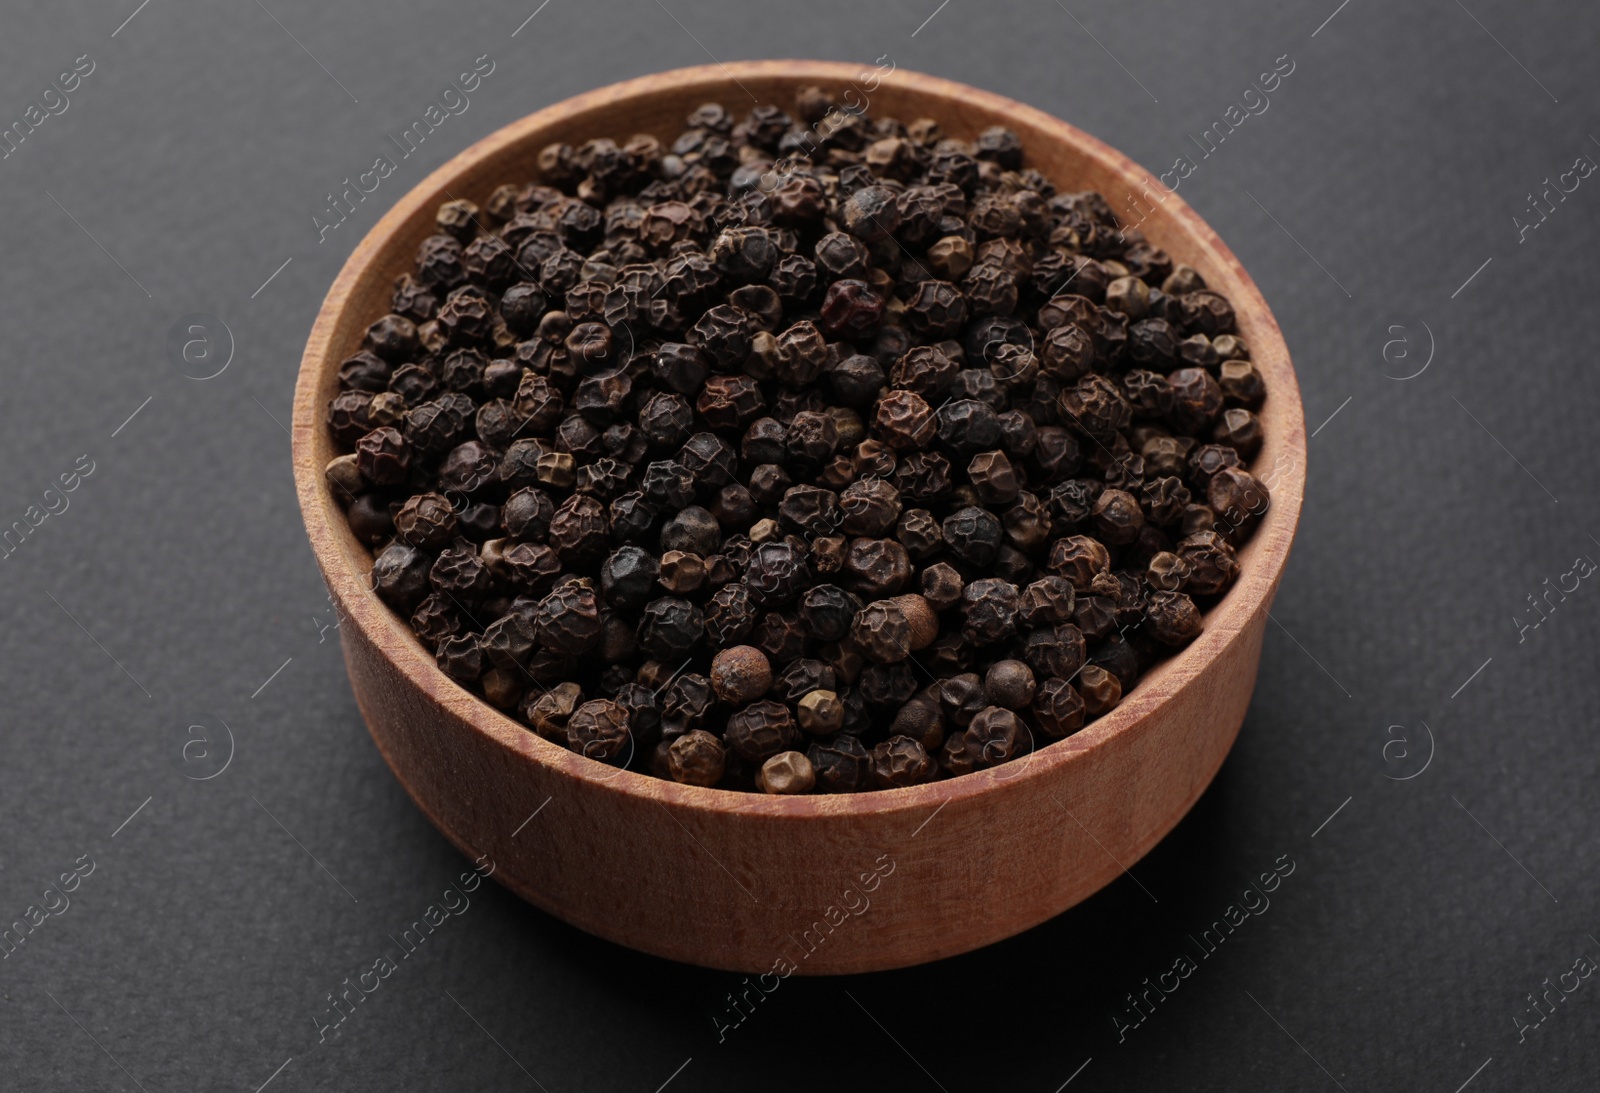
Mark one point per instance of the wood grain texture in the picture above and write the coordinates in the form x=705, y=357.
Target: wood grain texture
x=741, y=881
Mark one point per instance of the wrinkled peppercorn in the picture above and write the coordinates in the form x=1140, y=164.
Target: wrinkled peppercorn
x=697, y=759
x=841, y=764
x=760, y=731
x=599, y=730
x=901, y=761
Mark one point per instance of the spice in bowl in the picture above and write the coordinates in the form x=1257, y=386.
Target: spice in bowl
x=811, y=453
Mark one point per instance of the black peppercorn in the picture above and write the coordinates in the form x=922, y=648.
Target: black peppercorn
x=459, y=572
x=1100, y=690
x=827, y=611
x=761, y=730
x=670, y=627
x=400, y=575
x=1058, y=708
x=989, y=611
x=842, y=764
x=901, y=761
x=460, y=658
x=973, y=535
x=567, y=621
x=599, y=730
x=696, y=758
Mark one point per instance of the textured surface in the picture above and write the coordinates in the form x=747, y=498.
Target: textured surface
x=1397, y=954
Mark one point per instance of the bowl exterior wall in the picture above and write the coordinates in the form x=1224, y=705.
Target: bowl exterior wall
x=823, y=894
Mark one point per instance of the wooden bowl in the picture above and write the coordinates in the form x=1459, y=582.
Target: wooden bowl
x=817, y=884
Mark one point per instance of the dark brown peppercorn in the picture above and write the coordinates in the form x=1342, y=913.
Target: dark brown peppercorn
x=458, y=572
x=384, y=457
x=973, y=535
x=426, y=521
x=989, y=611
x=961, y=697
x=905, y=421
x=1166, y=572
x=567, y=621
x=922, y=719
x=697, y=759
x=1237, y=497
x=842, y=764
x=1196, y=399
x=876, y=567
x=760, y=731
x=1117, y=517
x=1241, y=384
x=1055, y=652
x=882, y=632
x=599, y=730
x=670, y=627
x=779, y=635
x=400, y=575
x=1173, y=618
x=1058, y=708
x=1010, y=683
x=1240, y=430
x=1078, y=558
x=1100, y=690
x=828, y=611
x=901, y=761
x=730, y=615
x=996, y=736
x=687, y=699
x=460, y=658
x=777, y=574
x=1046, y=602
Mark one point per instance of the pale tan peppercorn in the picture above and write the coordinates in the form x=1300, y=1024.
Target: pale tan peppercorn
x=557, y=469
x=787, y=772
x=681, y=572
x=820, y=712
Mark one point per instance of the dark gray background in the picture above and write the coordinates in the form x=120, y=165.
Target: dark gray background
x=1418, y=918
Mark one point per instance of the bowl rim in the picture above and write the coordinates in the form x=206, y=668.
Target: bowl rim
x=336, y=549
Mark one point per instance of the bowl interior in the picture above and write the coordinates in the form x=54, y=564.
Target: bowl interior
x=656, y=105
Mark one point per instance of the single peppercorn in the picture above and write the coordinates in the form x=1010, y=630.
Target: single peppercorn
x=1010, y=683
x=973, y=535
x=827, y=611
x=697, y=759
x=820, y=712
x=901, y=761
x=760, y=731
x=598, y=730
x=670, y=627
x=1100, y=690
x=740, y=675
x=788, y=772
x=841, y=764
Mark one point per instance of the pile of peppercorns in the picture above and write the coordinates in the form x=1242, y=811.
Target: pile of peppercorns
x=809, y=452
